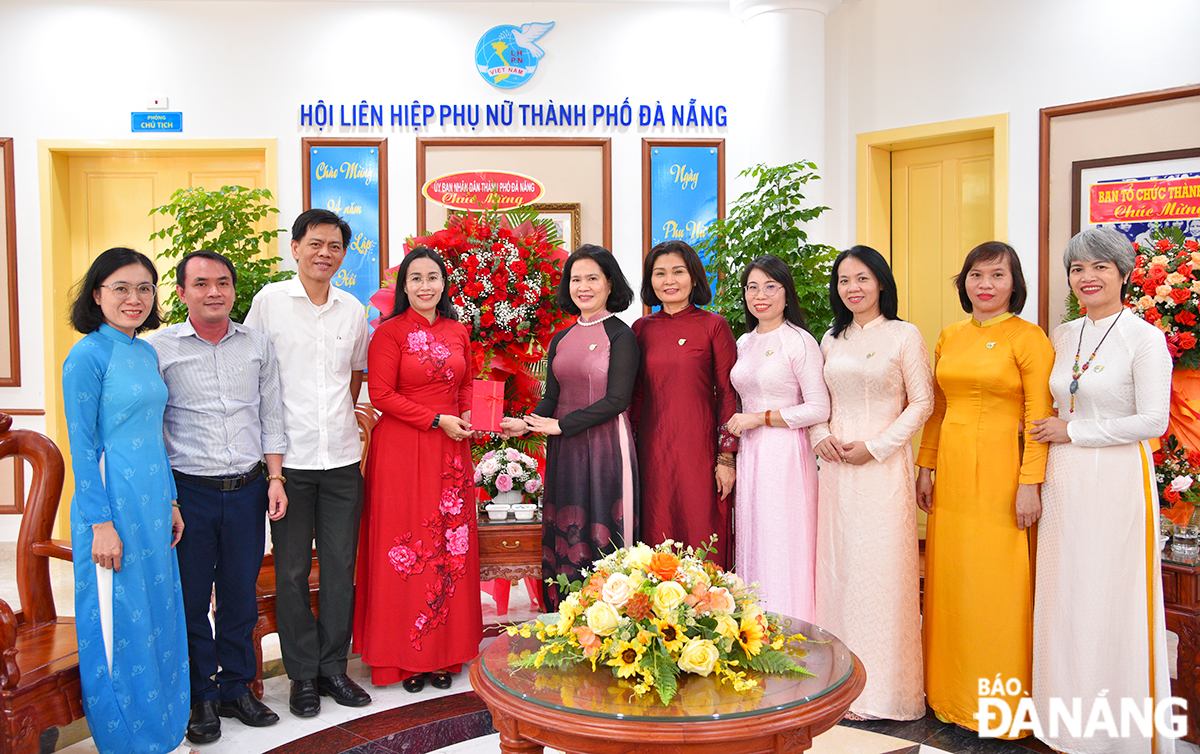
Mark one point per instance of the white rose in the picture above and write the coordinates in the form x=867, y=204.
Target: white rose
x=699, y=656
x=1182, y=483
x=666, y=596
x=616, y=590
x=515, y=469
x=489, y=467
x=638, y=556
x=602, y=618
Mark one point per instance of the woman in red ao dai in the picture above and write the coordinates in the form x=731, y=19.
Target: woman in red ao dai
x=683, y=395
x=417, y=606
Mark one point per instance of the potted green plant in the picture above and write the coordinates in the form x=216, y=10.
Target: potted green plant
x=769, y=219
x=222, y=220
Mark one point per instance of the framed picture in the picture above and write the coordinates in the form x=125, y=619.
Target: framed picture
x=575, y=168
x=349, y=178
x=1136, y=193
x=10, y=342
x=565, y=216
x=1120, y=138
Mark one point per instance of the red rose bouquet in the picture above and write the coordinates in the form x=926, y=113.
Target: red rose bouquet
x=1165, y=291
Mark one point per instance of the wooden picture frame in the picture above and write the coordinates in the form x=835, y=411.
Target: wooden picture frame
x=565, y=216
x=10, y=367
x=380, y=144
x=1130, y=125
x=1132, y=167
x=525, y=155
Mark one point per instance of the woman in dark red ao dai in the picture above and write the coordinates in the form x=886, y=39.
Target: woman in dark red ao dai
x=590, y=508
x=683, y=394
x=417, y=607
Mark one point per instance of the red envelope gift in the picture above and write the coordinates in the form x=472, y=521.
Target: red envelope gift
x=487, y=408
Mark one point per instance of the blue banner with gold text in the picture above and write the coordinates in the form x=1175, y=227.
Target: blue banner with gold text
x=683, y=193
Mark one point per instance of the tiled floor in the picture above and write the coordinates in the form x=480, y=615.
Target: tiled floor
x=455, y=720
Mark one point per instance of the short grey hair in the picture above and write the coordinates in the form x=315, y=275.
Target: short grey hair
x=1101, y=245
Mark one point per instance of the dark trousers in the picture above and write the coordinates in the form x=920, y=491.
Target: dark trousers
x=222, y=545
x=327, y=504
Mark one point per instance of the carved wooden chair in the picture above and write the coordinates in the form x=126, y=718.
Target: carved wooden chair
x=265, y=588
x=39, y=661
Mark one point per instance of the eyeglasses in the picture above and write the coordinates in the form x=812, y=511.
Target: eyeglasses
x=125, y=290
x=770, y=289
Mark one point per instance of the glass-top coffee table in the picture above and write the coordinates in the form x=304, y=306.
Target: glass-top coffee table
x=578, y=710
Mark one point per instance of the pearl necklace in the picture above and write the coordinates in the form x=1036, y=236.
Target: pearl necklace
x=596, y=321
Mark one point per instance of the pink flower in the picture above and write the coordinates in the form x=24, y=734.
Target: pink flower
x=439, y=351
x=478, y=477
x=514, y=469
x=457, y=540
x=418, y=340
x=504, y=483
x=451, y=502
x=512, y=454
x=533, y=485
x=488, y=455
x=403, y=559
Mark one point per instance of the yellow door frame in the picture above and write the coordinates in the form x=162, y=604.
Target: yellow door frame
x=53, y=159
x=874, y=185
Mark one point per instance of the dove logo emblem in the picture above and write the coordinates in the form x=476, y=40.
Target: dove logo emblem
x=507, y=56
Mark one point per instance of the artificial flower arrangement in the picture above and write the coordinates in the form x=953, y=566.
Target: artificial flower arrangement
x=1177, y=471
x=651, y=613
x=504, y=269
x=505, y=470
x=1165, y=291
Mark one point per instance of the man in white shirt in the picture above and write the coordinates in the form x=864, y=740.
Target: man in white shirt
x=320, y=338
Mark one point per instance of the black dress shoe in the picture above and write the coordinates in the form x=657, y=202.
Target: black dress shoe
x=414, y=683
x=303, y=701
x=249, y=710
x=343, y=690
x=204, y=726
x=440, y=679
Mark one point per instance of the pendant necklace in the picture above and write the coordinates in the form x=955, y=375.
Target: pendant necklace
x=1077, y=371
x=596, y=321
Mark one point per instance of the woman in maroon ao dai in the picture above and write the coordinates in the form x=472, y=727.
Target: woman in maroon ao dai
x=417, y=606
x=683, y=394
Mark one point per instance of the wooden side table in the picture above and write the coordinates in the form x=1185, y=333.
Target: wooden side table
x=1181, y=600
x=510, y=550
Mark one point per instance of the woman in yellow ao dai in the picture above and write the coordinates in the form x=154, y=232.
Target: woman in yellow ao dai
x=991, y=383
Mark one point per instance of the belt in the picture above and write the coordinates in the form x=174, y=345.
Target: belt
x=223, y=483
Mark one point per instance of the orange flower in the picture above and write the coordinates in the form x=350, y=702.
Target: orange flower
x=638, y=606
x=1181, y=295
x=1187, y=340
x=588, y=640
x=663, y=565
x=1152, y=315
x=595, y=585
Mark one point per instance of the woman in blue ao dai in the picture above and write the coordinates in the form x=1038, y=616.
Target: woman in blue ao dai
x=133, y=661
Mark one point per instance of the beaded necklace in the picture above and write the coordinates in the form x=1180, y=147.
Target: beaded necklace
x=1077, y=371
x=596, y=321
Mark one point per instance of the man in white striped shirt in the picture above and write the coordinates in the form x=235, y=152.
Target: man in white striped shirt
x=224, y=419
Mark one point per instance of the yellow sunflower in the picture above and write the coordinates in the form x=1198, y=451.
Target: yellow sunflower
x=751, y=634
x=625, y=657
x=671, y=634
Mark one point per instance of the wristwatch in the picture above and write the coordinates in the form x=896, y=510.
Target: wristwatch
x=437, y=419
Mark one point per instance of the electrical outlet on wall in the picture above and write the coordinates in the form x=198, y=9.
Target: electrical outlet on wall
x=157, y=103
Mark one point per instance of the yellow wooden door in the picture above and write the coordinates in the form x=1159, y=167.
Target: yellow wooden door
x=942, y=199
x=942, y=207
x=109, y=198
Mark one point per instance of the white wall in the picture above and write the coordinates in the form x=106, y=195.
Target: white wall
x=891, y=64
